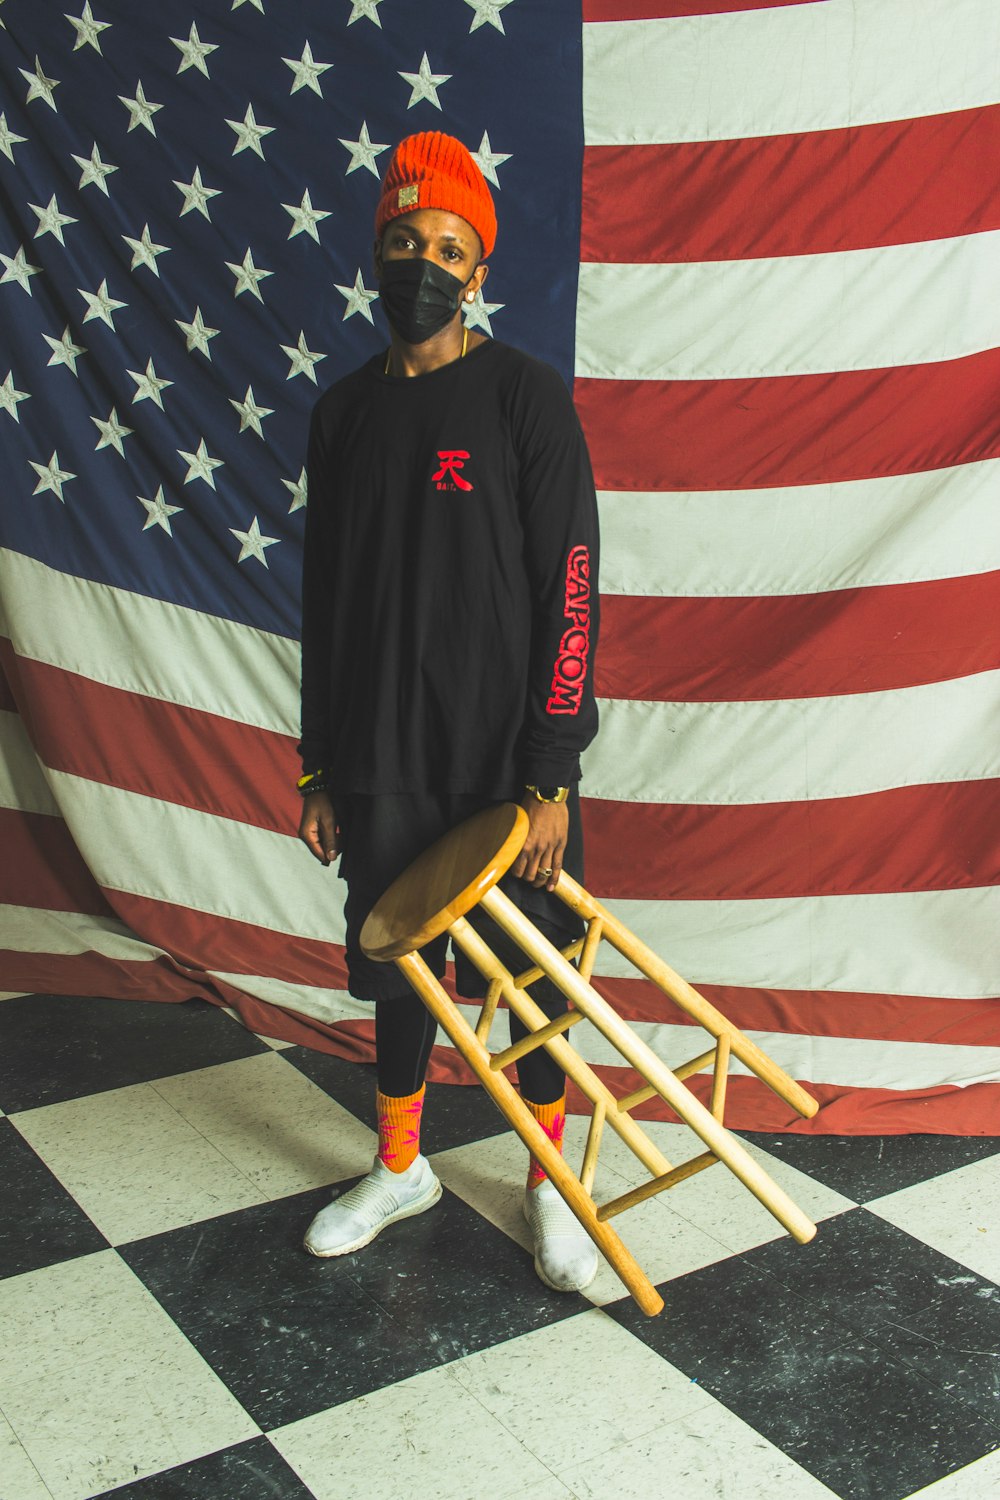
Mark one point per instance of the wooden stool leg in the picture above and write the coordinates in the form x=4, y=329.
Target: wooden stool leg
x=690, y=1109
x=511, y=1106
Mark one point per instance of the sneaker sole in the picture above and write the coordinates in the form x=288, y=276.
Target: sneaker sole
x=408, y=1212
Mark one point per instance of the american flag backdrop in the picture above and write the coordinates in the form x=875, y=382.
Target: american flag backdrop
x=763, y=241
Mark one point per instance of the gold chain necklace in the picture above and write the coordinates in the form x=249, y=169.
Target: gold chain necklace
x=465, y=345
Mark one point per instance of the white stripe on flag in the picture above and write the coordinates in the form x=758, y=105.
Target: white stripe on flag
x=790, y=315
x=794, y=749
x=146, y=646
x=22, y=783
x=944, y=943
x=904, y=528
x=846, y=1061
x=32, y=929
x=789, y=69
x=165, y=852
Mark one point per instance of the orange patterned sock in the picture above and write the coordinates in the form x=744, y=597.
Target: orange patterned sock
x=399, y=1129
x=552, y=1119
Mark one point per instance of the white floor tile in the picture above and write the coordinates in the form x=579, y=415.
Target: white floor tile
x=425, y=1436
x=978, y=1481
x=272, y=1123
x=958, y=1213
x=99, y=1385
x=19, y=1479
x=133, y=1163
x=579, y=1388
x=711, y=1456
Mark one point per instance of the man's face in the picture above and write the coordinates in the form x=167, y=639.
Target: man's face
x=433, y=234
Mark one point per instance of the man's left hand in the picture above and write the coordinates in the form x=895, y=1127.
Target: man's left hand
x=540, y=861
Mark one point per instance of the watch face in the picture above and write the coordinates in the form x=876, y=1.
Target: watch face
x=552, y=793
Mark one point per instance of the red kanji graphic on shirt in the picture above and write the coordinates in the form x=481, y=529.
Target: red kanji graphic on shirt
x=447, y=476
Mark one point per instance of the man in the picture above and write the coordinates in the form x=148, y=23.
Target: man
x=448, y=633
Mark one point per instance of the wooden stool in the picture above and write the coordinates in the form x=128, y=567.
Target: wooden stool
x=433, y=896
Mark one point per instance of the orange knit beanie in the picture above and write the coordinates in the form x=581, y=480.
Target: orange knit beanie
x=433, y=170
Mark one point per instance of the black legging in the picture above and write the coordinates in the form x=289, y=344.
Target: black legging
x=405, y=1031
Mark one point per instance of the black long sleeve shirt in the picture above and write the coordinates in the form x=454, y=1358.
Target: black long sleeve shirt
x=450, y=606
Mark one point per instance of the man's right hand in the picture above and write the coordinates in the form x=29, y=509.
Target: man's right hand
x=318, y=827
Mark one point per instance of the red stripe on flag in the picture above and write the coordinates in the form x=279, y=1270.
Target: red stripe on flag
x=927, y=1019
x=801, y=194
x=155, y=748
x=798, y=645
x=913, y=838
x=750, y=1105
x=793, y=429
x=42, y=867
x=655, y=10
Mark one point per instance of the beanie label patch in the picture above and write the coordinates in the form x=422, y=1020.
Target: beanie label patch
x=409, y=196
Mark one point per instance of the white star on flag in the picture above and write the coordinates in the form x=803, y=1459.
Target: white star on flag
x=257, y=4
x=145, y=250
x=357, y=300
x=306, y=71
x=299, y=489
x=88, y=31
x=364, y=10
x=39, y=87
x=64, y=351
x=487, y=12
x=94, y=170
x=249, y=134
x=194, y=51
x=141, y=110
x=100, y=305
x=51, y=477
x=247, y=276
x=252, y=544
x=197, y=333
x=251, y=413
x=158, y=512
x=478, y=313
x=305, y=217
x=113, y=432
x=201, y=465
x=8, y=138
x=50, y=220
x=148, y=385
x=10, y=396
x=488, y=160
x=302, y=360
x=196, y=195
x=425, y=84
x=363, y=152
x=19, y=269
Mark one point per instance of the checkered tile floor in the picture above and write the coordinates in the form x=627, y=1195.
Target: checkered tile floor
x=163, y=1334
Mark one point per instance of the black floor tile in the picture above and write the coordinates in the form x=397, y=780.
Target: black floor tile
x=814, y=1347
x=452, y=1116
x=40, y=1223
x=56, y=1047
x=870, y=1166
x=956, y=1344
x=252, y=1471
x=291, y=1335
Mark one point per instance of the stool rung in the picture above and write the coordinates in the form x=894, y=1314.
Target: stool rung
x=529, y=976
x=629, y=1101
x=537, y=1039
x=656, y=1185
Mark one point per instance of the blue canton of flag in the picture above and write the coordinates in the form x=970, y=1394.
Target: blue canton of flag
x=189, y=193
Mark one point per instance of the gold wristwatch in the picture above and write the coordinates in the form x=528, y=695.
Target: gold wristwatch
x=549, y=793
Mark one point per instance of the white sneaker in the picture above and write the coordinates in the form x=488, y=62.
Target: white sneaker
x=364, y=1211
x=565, y=1255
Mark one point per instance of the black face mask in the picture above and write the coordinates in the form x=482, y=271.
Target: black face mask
x=419, y=297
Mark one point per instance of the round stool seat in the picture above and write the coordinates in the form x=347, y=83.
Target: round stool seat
x=445, y=882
